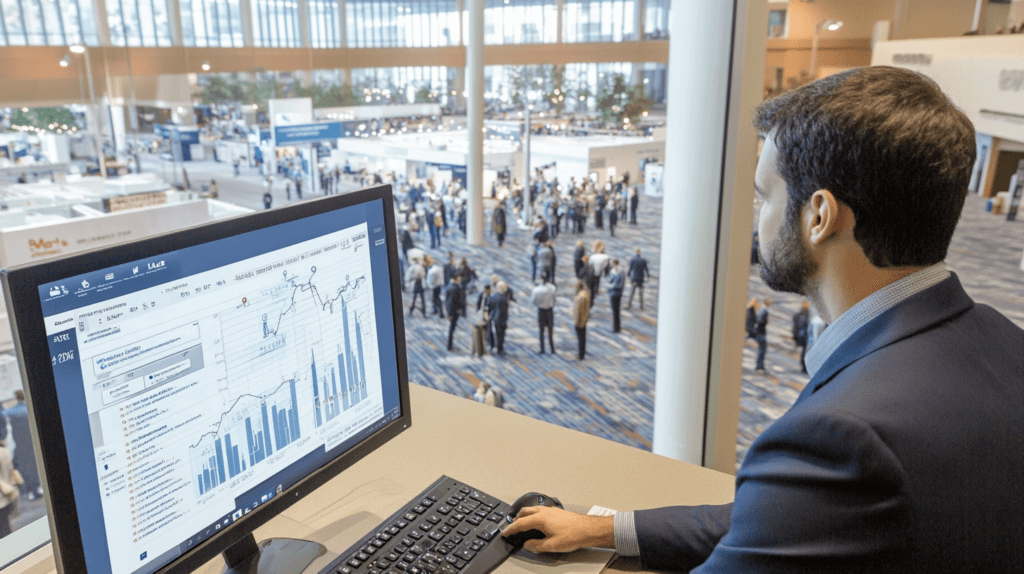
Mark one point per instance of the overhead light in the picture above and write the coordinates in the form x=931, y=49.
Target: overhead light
x=24, y=110
x=77, y=48
x=206, y=66
x=832, y=25
x=65, y=61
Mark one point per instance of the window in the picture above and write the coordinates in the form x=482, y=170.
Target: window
x=777, y=24
x=402, y=85
x=656, y=19
x=323, y=23
x=520, y=21
x=47, y=23
x=599, y=21
x=275, y=23
x=402, y=23
x=214, y=23
x=138, y=23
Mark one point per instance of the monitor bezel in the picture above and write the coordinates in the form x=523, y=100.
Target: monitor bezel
x=24, y=306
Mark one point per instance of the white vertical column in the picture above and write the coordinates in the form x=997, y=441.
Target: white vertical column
x=641, y=9
x=559, y=19
x=304, y=23
x=980, y=16
x=245, y=12
x=899, y=19
x=174, y=22
x=475, y=123
x=1016, y=15
x=99, y=10
x=714, y=82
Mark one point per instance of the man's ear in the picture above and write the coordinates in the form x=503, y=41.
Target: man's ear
x=822, y=217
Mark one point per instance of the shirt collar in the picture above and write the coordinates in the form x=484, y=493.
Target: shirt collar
x=867, y=309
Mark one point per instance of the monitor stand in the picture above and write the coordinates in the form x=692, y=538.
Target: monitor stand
x=271, y=556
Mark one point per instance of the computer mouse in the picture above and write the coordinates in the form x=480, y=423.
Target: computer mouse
x=527, y=500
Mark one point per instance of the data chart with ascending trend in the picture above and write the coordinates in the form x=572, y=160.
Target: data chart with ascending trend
x=301, y=360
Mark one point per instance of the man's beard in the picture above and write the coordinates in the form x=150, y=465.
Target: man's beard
x=787, y=267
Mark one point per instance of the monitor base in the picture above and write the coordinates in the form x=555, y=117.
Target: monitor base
x=271, y=556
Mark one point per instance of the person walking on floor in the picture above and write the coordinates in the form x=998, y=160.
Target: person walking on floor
x=613, y=216
x=483, y=304
x=580, y=316
x=638, y=274
x=752, y=308
x=498, y=223
x=406, y=240
x=599, y=264
x=414, y=277
x=288, y=188
x=543, y=296
x=761, y=337
x=546, y=260
x=480, y=321
x=268, y=200
x=634, y=202
x=455, y=304
x=577, y=258
x=499, y=315
x=24, y=455
x=435, y=282
x=801, y=323
x=616, y=283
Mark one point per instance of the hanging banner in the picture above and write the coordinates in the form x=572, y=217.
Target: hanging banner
x=306, y=133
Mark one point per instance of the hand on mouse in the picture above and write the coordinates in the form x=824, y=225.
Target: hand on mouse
x=564, y=531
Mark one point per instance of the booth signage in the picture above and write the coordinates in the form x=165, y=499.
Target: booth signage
x=134, y=201
x=306, y=133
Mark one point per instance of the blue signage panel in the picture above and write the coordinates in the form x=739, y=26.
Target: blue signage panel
x=305, y=133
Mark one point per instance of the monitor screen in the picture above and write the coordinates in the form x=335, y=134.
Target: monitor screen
x=196, y=384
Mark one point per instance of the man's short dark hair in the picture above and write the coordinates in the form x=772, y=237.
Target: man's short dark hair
x=887, y=143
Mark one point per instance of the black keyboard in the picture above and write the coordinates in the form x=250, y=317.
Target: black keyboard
x=449, y=528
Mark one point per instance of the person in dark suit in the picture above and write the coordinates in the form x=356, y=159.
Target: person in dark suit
x=761, y=334
x=634, y=203
x=801, y=322
x=638, y=274
x=454, y=304
x=904, y=452
x=499, y=315
x=577, y=258
x=498, y=222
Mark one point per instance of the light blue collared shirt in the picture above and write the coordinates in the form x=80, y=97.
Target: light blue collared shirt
x=626, y=541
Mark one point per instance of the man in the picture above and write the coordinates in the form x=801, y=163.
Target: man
x=498, y=222
x=903, y=453
x=546, y=260
x=267, y=200
x=613, y=215
x=499, y=315
x=455, y=304
x=298, y=187
x=634, y=202
x=543, y=296
x=580, y=316
x=616, y=283
x=435, y=281
x=414, y=277
x=481, y=322
x=288, y=188
x=577, y=258
x=801, y=322
x=638, y=273
x=24, y=455
x=483, y=306
x=761, y=335
x=450, y=268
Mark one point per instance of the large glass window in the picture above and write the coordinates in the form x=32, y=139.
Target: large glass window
x=656, y=19
x=599, y=21
x=215, y=23
x=402, y=23
x=47, y=23
x=275, y=23
x=323, y=24
x=777, y=24
x=520, y=22
x=138, y=23
x=421, y=84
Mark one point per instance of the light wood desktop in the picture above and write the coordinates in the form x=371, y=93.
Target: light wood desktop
x=501, y=453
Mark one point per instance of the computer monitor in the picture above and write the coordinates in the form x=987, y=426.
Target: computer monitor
x=187, y=388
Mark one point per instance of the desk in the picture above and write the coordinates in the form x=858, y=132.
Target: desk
x=505, y=455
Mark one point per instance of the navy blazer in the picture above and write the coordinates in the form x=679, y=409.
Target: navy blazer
x=904, y=453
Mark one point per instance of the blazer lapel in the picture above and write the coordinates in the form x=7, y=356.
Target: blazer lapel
x=918, y=313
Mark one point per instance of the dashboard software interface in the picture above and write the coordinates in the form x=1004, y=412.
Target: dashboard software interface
x=199, y=384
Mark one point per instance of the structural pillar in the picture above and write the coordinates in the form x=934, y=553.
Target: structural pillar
x=1016, y=15
x=174, y=22
x=475, y=123
x=980, y=16
x=715, y=78
x=899, y=19
x=245, y=9
x=988, y=177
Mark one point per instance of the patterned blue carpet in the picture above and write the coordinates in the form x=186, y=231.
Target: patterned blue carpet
x=611, y=393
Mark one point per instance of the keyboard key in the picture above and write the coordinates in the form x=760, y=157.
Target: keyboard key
x=414, y=570
x=474, y=520
x=459, y=516
x=436, y=535
x=483, y=498
x=403, y=566
x=409, y=516
x=370, y=549
x=463, y=531
x=392, y=556
x=409, y=557
x=465, y=554
x=430, y=568
x=384, y=536
x=373, y=571
x=402, y=523
x=378, y=543
x=465, y=490
x=452, y=522
x=354, y=563
x=489, y=533
x=363, y=556
x=495, y=517
x=453, y=501
x=419, y=509
x=382, y=563
x=452, y=559
x=456, y=539
x=427, y=502
x=425, y=527
x=393, y=530
x=407, y=542
x=446, y=529
x=444, y=509
x=447, y=569
x=459, y=496
x=415, y=535
x=344, y=570
x=401, y=548
x=480, y=513
x=476, y=545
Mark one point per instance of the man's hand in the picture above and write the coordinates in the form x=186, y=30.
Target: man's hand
x=564, y=531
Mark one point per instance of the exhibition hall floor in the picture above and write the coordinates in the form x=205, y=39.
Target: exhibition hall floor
x=611, y=393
